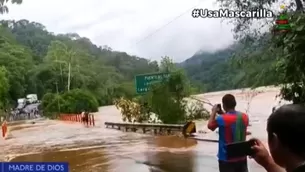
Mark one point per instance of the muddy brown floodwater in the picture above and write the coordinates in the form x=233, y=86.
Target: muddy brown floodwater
x=97, y=149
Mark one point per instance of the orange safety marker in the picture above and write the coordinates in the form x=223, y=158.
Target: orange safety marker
x=4, y=128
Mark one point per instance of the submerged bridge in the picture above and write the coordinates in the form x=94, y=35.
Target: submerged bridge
x=156, y=128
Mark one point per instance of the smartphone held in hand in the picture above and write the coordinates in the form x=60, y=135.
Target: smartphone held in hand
x=219, y=109
x=240, y=149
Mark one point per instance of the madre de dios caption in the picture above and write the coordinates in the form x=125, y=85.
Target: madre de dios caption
x=35, y=167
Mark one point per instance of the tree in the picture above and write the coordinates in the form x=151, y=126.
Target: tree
x=37, y=61
x=248, y=29
x=4, y=88
x=290, y=63
x=285, y=49
x=59, y=53
x=167, y=65
x=18, y=62
x=3, y=5
x=74, y=101
x=167, y=98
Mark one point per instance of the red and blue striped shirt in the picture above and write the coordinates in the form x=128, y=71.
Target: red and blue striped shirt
x=232, y=128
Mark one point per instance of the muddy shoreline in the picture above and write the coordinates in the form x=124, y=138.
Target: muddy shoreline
x=97, y=148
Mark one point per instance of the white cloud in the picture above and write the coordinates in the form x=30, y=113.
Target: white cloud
x=123, y=24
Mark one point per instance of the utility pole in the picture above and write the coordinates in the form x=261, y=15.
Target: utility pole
x=58, y=104
x=69, y=72
x=69, y=76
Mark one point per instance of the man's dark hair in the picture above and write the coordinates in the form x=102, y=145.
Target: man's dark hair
x=288, y=123
x=229, y=101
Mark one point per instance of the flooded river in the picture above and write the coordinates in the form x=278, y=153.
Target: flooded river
x=100, y=149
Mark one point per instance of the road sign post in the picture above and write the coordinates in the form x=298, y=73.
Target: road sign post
x=144, y=81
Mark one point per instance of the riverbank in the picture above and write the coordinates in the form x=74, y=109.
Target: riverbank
x=116, y=151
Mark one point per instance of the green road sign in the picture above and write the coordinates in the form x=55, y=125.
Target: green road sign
x=144, y=81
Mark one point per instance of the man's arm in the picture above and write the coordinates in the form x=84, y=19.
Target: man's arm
x=271, y=166
x=263, y=158
x=247, y=120
x=212, y=123
x=274, y=168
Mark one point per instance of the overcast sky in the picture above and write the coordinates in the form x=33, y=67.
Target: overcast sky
x=125, y=25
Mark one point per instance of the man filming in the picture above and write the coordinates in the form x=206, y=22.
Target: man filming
x=286, y=131
x=232, y=126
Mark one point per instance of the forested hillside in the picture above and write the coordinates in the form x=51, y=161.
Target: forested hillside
x=211, y=71
x=268, y=52
x=34, y=60
x=72, y=74
x=222, y=70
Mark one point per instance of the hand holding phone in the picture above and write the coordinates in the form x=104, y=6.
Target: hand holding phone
x=240, y=149
x=219, y=109
x=261, y=154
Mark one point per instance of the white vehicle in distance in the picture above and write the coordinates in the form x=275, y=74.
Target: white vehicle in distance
x=21, y=103
x=32, y=98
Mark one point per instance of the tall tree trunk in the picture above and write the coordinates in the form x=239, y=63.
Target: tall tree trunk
x=299, y=5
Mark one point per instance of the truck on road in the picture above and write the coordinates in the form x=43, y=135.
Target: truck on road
x=21, y=103
x=32, y=98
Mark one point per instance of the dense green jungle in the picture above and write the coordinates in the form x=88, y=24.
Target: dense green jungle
x=34, y=60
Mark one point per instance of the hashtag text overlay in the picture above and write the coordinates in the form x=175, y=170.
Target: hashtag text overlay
x=226, y=13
